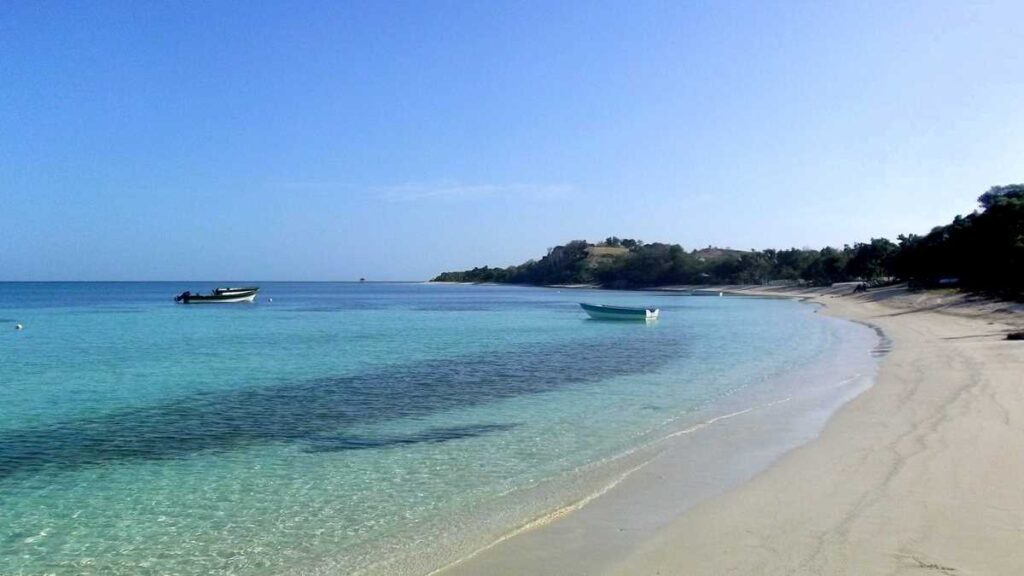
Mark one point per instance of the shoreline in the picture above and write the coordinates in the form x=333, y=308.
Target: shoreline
x=826, y=504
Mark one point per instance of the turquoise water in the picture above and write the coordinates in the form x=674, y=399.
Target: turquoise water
x=345, y=428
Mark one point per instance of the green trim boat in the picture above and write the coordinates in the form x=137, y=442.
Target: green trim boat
x=603, y=312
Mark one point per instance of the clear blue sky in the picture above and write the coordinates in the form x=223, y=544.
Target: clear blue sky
x=395, y=140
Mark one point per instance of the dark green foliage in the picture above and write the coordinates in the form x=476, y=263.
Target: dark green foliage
x=983, y=251
x=1001, y=194
x=873, y=260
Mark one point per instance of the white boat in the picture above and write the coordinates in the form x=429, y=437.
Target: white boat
x=219, y=296
x=603, y=312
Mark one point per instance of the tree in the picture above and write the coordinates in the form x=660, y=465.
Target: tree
x=828, y=267
x=1001, y=194
x=872, y=260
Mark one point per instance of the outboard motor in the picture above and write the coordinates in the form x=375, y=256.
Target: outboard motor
x=183, y=296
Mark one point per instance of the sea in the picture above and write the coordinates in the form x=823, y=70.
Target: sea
x=361, y=428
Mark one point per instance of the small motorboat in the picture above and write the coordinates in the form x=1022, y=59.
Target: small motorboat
x=219, y=296
x=603, y=312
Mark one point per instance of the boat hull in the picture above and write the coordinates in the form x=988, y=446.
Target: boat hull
x=601, y=312
x=230, y=299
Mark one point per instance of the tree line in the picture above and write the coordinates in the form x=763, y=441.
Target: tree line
x=982, y=251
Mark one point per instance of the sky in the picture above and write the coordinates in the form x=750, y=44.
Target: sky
x=395, y=140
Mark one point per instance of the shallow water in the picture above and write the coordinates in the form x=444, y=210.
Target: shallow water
x=346, y=427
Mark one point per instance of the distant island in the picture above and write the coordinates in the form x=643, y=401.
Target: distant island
x=982, y=251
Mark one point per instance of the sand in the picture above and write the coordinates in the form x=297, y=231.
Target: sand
x=921, y=474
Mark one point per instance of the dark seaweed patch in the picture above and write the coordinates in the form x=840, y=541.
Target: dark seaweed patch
x=884, y=344
x=303, y=411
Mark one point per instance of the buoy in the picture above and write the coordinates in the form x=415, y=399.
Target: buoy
x=18, y=326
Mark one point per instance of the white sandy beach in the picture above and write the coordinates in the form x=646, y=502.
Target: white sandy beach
x=922, y=473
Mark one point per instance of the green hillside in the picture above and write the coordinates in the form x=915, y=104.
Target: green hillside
x=981, y=251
